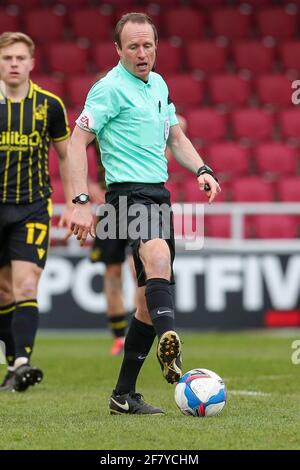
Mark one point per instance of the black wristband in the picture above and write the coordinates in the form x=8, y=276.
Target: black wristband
x=205, y=169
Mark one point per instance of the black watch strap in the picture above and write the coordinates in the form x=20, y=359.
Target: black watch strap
x=82, y=198
x=205, y=169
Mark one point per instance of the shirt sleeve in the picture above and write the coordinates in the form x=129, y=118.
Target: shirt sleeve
x=100, y=107
x=172, y=113
x=58, y=127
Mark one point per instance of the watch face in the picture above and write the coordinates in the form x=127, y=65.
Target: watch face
x=83, y=197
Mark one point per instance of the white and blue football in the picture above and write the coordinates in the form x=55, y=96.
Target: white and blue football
x=200, y=392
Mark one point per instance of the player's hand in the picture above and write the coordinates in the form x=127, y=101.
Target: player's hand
x=208, y=184
x=82, y=222
x=65, y=221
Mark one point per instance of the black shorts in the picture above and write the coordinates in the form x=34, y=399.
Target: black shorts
x=24, y=232
x=109, y=251
x=149, y=197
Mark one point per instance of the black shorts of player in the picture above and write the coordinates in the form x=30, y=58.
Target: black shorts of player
x=138, y=217
x=24, y=232
x=109, y=251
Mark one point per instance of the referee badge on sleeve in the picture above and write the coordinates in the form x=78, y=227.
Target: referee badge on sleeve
x=167, y=128
x=85, y=121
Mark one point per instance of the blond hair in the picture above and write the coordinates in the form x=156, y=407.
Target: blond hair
x=8, y=38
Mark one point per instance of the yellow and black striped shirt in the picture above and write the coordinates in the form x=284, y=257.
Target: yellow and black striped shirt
x=26, y=128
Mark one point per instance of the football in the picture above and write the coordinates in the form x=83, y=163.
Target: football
x=200, y=392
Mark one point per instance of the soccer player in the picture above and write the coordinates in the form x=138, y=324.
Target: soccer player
x=132, y=116
x=30, y=118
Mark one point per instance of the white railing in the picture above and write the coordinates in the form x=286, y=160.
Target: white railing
x=237, y=211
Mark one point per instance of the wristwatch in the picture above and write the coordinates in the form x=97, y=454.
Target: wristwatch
x=82, y=198
x=206, y=169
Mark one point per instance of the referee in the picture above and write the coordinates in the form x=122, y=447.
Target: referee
x=130, y=113
x=29, y=119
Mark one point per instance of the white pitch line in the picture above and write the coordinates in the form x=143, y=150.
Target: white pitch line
x=249, y=393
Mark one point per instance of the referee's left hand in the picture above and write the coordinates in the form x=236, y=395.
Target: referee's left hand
x=82, y=222
x=208, y=184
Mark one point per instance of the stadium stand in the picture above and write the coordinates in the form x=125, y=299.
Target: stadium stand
x=229, y=65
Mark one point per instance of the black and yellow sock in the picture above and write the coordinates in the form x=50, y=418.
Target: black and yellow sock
x=138, y=343
x=24, y=327
x=6, y=316
x=118, y=325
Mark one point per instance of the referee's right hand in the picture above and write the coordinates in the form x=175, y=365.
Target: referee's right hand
x=82, y=222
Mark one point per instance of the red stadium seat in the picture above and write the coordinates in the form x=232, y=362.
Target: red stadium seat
x=91, y=23
x=185, y=23
x=230, y=90
x=206, y=56
x=192, y=192
x=218, y=226
x=44, y=24
x=66, y=57
x=257, y=3
x=208, y=3
x=73, y=114
x=275, y=90
x=289, y=189
x=53, y=163
x=105, y=55
x=176, y=171
x=185, y=91
x=92, y=163
x=9, y=21
x=78, y=87
x=38, y=60
x=169, y=58
x=22, y=4
x=275, y=226
x=228, y=159
x=252, y=124
x=251, y=189
x=57, y=196
x=276, y=159
x=206, y=125
x=279, y=23
x=232, y=23
x=49, y=83
x=253, y=56
x=290, y=55
x=289, y=120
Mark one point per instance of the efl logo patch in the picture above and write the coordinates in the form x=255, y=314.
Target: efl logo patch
x=84, y=120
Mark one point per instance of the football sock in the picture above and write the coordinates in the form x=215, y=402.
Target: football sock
x=160, y=304
x=20, y=361
x=138, y=343
x=118, y=325
x=24, y=327
x=6, y=316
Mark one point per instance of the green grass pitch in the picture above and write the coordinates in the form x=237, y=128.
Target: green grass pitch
x=69, y=409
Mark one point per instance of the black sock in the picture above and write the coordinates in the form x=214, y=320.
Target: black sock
x=138, y=343
x=24, y=327
x=160, y=304
x=118, y=325
x=6, y=316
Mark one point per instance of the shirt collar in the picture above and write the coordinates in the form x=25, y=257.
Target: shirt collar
x=140, y=83
x=29, y=93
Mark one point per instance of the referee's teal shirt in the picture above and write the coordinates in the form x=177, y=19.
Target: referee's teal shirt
x=131, y=120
